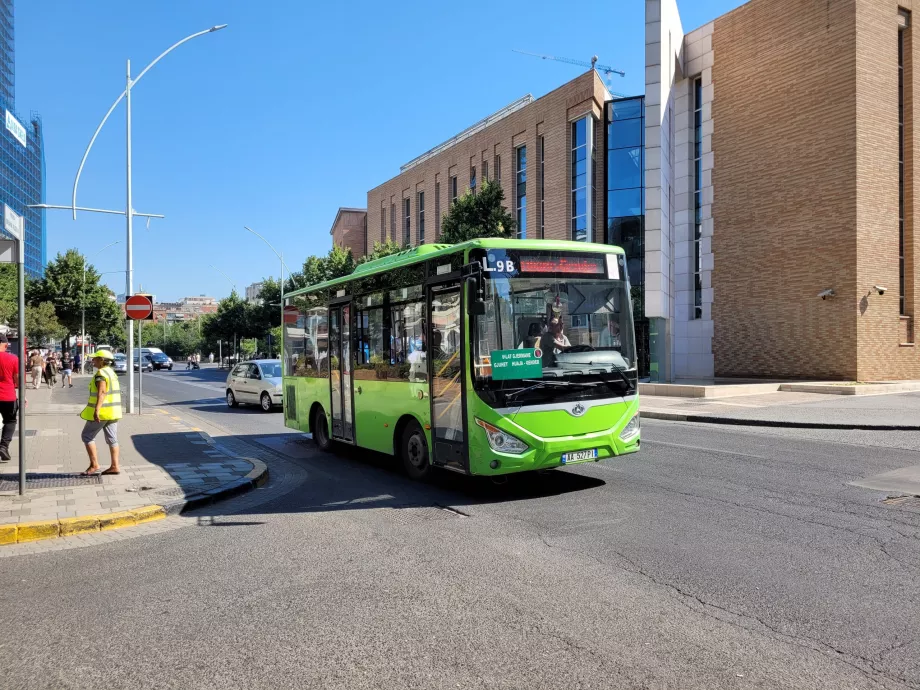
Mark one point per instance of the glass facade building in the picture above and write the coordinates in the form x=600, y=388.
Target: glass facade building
x=22, y=162
x=626, y=204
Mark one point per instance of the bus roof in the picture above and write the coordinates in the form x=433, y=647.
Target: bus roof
x=433, y=251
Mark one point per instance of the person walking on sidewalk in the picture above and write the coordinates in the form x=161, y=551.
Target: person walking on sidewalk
x=51, y=369
x=66, y=369
x=102, y=412
x=9, y=405
x=36, y=365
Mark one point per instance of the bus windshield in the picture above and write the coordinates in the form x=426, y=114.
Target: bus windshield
x=570, y=314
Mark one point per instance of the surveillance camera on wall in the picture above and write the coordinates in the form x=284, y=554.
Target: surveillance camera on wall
x=879, y=289
x=824, y=294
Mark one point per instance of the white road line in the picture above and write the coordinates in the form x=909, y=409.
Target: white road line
x=206, y=386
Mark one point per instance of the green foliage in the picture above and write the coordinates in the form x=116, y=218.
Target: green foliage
x=382, y=249
x=478, y=215
x=337, y=263
x=42, y=324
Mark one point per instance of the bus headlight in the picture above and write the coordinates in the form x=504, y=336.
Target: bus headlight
x=501, y=441
x=631, y=429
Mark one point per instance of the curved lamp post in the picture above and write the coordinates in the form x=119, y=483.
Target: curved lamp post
x=129, y=209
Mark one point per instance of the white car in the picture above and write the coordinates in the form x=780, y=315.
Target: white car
x=121, y=363
x=256, y=382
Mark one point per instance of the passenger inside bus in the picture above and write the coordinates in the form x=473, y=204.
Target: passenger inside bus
x=533, y=338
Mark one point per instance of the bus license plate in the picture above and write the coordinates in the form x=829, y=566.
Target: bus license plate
x=578, y=455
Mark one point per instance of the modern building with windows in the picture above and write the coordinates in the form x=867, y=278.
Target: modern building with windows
x=22, y=163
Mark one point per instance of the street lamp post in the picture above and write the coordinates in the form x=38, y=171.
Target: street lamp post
x=281, y=259
x=129, y=210
x=83, y=307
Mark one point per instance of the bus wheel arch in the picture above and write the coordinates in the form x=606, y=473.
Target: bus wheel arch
x=410, y=445
x=319, y=427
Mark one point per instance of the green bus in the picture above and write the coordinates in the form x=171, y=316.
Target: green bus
x=488, y=357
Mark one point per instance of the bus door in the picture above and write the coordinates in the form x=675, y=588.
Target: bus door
x=343, y=427
x=446, y=355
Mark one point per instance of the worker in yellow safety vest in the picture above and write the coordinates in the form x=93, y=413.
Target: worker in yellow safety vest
x=102, y=412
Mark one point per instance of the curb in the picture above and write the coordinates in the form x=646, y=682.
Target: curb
x=23, y=532
x=734, y=421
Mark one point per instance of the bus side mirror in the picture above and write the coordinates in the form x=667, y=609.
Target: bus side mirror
x=475, y=303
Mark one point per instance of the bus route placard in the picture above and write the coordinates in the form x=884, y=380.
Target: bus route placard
x=525, y=363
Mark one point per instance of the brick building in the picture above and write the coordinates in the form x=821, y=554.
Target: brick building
x=349, y=230
x=762, y=188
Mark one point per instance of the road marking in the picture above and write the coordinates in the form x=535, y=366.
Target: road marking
x=709, y=450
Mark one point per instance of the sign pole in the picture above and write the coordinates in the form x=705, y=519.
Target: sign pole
x=140, y=367
x=22, y=368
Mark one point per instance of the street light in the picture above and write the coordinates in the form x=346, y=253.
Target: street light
x=129, y=208
x=283, y=266
x=83, y=305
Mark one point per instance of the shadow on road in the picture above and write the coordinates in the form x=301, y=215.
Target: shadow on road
x=358, y=479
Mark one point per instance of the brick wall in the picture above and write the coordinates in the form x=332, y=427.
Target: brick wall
x=785, y=189
x=883, y=350
x=549, y=117
x=349, y=230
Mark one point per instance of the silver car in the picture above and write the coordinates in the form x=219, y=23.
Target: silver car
x=121, y=363
x=256, y=382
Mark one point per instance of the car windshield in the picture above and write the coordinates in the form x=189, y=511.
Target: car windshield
x=159, y=357
x=119, y=357
x=271, y=370
x=566, y=320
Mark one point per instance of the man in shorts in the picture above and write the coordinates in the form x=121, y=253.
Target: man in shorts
x=102, y=412
x=66, y=369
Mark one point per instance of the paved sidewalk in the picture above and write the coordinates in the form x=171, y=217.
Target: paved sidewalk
x=165, y=462
x=893, y=412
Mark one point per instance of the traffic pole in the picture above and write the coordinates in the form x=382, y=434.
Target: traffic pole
x=22, y=368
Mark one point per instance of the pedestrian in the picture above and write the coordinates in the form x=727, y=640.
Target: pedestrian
x=66, y=369
x=102, y=412
x=77, y=361
x=51, y=368
x=210, y=358
x=37, y=366
x=9, y=405
x=188, y=363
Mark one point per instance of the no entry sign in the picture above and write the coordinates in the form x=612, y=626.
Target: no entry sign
x=139, y=308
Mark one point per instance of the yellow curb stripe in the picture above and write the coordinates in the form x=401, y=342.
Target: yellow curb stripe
x=19, y=533
x=7, y=534
x=79, y=525
x=162, y=411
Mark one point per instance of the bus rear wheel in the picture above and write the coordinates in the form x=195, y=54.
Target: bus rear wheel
x=321, y=430
x=414, y=451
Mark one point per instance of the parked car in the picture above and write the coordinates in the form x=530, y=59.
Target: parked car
x=121, y=363
x=161, y=361
x=148, y=363
x=257, y=382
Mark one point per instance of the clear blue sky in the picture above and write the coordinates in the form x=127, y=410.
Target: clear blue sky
x=295, y=109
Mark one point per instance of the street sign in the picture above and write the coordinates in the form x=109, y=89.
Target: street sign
x=139, y=308
x=291, y=313
x=12, y=222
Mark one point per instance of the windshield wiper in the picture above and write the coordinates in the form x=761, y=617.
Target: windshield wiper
x=626, y=380
x=541, y=384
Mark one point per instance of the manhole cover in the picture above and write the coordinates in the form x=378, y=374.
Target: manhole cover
x=911, y=503
x=10, y=482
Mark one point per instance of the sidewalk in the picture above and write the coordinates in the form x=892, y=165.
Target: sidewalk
x=167, y=465
x=891, y=412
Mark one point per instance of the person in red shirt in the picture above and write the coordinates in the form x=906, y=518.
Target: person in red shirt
x=9, y=405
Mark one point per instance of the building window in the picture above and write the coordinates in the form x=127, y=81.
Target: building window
x=383, y=223
x=452, y=188
x=904, y=23
x=498, y=169
x=393, y=222
x=473, y=179
x=580, y=180
x=697, y=196
x=542, y=188
x=437, y=208
x=485, y=171
x=521, y=191
x=420, y=205
x=407, y=229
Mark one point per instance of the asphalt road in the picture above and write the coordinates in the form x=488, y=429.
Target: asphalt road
x=715, y=558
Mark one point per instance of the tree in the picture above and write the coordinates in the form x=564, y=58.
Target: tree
x=382, y=249
x=478, y=215
x=42, y=323
x=337, y=263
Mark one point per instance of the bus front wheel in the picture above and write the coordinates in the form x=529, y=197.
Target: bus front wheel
x=415, y=452
x=321, y=430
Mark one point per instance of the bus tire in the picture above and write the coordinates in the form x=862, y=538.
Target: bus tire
x=414, y=452
x=321, y=430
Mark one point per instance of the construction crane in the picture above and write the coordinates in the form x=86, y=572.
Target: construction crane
x=606, y=69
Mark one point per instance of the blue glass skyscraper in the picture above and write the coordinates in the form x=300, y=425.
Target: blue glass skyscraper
x=22, y=156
